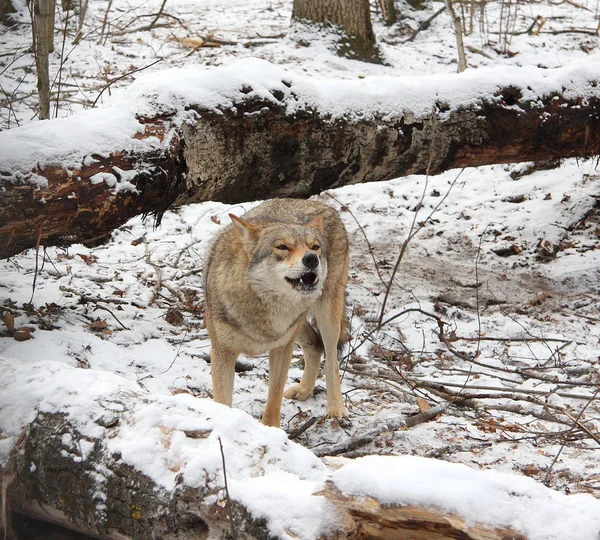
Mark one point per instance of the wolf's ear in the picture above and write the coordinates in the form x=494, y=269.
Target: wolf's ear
x=317, y=224
x=247, y=232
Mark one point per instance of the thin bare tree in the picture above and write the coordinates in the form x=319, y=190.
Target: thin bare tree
x=43, y=30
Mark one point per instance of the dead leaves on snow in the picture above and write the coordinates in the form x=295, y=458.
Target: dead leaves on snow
x=22, y=333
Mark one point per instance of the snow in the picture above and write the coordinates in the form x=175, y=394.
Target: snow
x=174, y=91
x=487, y=496
x=485, y=463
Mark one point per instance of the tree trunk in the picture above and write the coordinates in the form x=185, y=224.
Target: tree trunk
x=416, y=4
x=6, y=8
x=458, y=35
x=254, y=149
x=50, y=23
x=43, y=25
x=388, y=8
x=353, y=17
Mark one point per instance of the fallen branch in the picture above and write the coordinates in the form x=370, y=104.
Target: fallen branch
x=177, y=151
x=501, y=390
x=574, y=425
x=366, y=436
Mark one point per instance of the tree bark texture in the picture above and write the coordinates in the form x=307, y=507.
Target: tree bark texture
x=99, y=495
x=49, y=478
x=388, y=8
x=458, y=35
x=353, y=17
x=6, y=9
x=43, y=26
x=50, y=22
x=255, y=150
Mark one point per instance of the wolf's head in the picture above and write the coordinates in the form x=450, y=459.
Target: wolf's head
x=284, y=259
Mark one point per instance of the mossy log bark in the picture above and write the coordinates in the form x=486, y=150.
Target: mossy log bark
x=255, y=150
x=58, y=475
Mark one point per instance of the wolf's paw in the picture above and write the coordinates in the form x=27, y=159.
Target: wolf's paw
x=297, y=392
x=337, y=411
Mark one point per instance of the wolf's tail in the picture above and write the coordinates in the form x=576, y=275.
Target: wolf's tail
x=344, y=332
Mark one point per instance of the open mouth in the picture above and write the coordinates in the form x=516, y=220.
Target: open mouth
x=306, y=282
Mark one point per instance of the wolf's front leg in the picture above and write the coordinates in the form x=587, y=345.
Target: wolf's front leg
x=222, y=370
x=329, y=324
x=279, y=364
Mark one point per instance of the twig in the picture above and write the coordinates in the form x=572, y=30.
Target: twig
x=162, y=6
x=60, y=67
x=105, y=21
x=98, y=306
x=37, y=252
x=346, y=208
x=533, y=339
x=304, y=427
x=562, y=446
x=503, y=390
x=110, y=83
x=412, y=233
x=82, y=14
x=150, y=375
x=425, y=416
x=582, y=426
x=425, y=24
x=477, y=289
x=158, y=275
x=84, y=298
x=233, y=529
x=366, y=436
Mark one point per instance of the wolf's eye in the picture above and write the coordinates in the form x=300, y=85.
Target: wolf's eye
x=315, y=247
x=282, y=247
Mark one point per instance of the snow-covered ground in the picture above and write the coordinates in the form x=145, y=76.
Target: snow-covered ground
x=508, y=264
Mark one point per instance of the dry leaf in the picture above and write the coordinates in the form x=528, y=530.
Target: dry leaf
x=88, y=259
x=215, y=219
x=191, y=43
x=98, y=324
x=9, y=321
x=23, y=334
x=174, y=317
x=423, y=405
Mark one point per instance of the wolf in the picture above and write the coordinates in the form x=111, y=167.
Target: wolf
x=269, y=276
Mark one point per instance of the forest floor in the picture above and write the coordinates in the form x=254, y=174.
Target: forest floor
x=495, y=305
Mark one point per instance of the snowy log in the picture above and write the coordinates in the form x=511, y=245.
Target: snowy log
x=253, y=131
x=102, y=455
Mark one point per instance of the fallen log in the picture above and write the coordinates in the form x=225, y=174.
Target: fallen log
x=254, y=131
x=100, y=455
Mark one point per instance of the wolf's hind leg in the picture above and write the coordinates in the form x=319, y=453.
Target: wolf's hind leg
x=222, y=370
x=312, y=348
x=279, y=364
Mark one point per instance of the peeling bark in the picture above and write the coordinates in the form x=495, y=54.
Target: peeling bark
x=373, y=521
x=255, y=150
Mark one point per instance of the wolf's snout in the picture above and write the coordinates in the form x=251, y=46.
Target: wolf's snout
x=310, y=260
